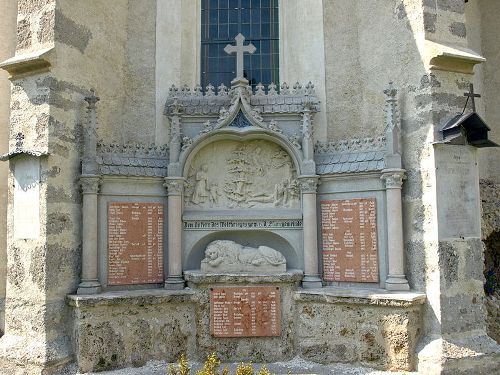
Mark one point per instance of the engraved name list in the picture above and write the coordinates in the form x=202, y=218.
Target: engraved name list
x=135, y=243
x=349, y=232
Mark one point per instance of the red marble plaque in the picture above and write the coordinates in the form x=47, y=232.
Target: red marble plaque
x=135, y=243
x=349, y=232
x=245, y=311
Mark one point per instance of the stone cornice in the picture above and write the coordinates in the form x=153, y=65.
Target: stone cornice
x=451, y=58
x=28, y=64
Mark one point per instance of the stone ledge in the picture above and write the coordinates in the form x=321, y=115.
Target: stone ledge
x=131, y=297
x=198, y=277
x=378, y=297
x=452, y=58
x=241, y=214
x=28, y=64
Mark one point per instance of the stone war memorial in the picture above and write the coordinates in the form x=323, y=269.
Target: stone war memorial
x=268, y=180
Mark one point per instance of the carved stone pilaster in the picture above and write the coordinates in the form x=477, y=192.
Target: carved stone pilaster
x=308, y=184
x=396, y=278
x=90, y=184
x=174, y=185
x=393, y=178
x=90, y=280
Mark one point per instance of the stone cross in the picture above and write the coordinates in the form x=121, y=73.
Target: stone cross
x=472, y=96
x=239, y=49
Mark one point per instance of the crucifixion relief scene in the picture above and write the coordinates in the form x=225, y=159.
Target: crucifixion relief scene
x=249, y=187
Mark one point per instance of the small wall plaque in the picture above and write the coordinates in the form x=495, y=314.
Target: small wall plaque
x=245, y=311
x=135, y=243
x=349, y=232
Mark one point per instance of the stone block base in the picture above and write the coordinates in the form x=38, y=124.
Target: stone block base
x=127, y=329
x=379, y=330
x=21, y=355
x=451, y=356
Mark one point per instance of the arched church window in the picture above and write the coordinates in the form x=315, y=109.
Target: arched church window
x=221, y=21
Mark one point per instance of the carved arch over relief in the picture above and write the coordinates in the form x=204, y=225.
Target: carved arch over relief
x=236, y=134
x=236, y=173
x=240, y=108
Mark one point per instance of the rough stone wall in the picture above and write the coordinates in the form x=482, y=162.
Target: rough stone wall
x=7, y=50
x=482, y=34
x=35, y=25
x=381, y=337
x=490, y=201
x=113, y=332
x=48, y=108
x=483, y=29
x=131, y=332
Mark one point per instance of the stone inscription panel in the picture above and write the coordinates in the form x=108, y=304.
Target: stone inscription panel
x=135, y=243
x=245, y=311
x=457, y=192
x=349, y=231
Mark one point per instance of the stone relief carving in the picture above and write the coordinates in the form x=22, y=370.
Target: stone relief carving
x=229, y=256
x=230, y=174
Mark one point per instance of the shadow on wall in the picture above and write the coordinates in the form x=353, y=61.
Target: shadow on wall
x=492, y=263
x=245, y=238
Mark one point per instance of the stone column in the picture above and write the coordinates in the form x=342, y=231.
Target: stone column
x=308, y=185
x=7, y=50
x=90, y=280
x=175, y=186
x=396, y=279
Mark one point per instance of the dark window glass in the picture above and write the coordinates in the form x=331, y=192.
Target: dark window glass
x=221, y=21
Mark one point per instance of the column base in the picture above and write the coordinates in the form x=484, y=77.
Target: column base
x=397, y=282
x=311, y=282
x=89, y=287
x=174, y=283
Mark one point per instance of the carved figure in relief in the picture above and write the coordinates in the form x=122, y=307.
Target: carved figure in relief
x=229, y=256
x=242, y=174
x=214, y=194
x=201, y=193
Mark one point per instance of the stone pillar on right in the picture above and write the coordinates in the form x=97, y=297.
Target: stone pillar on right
x=308, y=186
x=175, y=186
x=396, y=279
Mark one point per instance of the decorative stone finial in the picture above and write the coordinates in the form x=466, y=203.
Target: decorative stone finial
x=391, y=107
x=92, y=99
x=392, y=129
x=89, y=163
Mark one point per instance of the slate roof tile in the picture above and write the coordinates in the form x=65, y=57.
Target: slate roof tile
x=353, y=167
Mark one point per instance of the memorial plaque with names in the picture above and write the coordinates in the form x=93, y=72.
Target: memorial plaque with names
x=245, y=311
x=135, y=243
x=349, y=232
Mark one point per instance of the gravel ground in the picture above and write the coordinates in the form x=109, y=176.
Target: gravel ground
x=295, y=366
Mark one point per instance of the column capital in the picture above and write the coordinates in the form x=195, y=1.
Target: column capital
x=393, y=178
x=308, y=184
x=174, y=185
x=90, y=184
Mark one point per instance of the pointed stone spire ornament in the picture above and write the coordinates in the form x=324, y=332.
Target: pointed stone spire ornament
x=392, y=128
x=89, y=162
